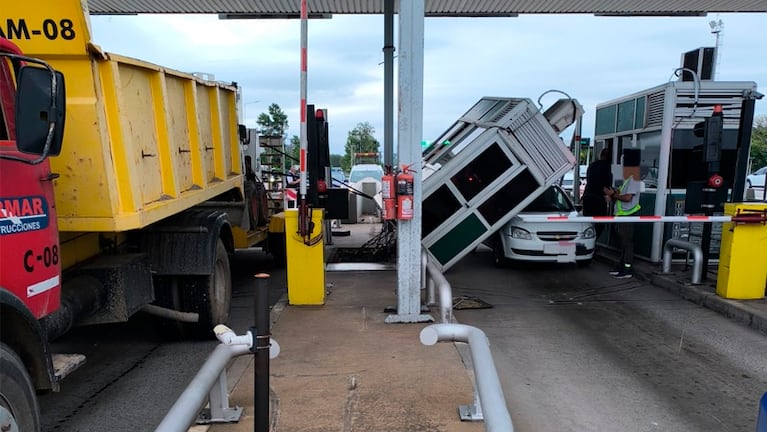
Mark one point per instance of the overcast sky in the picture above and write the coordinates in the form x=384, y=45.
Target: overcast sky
x=593, y=59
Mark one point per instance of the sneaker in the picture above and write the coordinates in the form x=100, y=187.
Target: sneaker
x=615, y=271
x=623, y=274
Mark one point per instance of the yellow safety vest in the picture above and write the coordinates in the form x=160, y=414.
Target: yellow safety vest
x=619, y=205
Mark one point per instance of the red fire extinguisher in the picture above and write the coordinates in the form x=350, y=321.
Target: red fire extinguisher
x=387, y=195
x=405, y=194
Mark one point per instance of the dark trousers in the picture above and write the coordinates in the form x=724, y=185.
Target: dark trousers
x=626, y=236
x=595, y=205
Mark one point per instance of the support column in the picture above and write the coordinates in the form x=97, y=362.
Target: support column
x=388, y=50
x=410, y=130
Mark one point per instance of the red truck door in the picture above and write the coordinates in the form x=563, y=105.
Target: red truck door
x=30, y=260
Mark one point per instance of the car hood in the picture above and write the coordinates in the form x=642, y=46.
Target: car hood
x=528, y=216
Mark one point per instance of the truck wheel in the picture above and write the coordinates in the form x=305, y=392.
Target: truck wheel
x=18, y=404
x=209, y=295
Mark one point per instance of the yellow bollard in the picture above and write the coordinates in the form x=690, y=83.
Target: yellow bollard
x=305, y=262
x=742, y=259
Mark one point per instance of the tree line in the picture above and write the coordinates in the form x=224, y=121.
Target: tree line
x=274, y=122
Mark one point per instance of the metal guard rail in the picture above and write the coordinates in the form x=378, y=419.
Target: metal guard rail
x=210, y=381
x=489, y=394
x=697, y=259
x=434, y=276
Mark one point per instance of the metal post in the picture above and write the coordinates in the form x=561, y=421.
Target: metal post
x=260, y=348
x=744, y=144
x=388, y=50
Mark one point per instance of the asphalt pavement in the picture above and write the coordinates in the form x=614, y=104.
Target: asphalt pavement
x=342, y=368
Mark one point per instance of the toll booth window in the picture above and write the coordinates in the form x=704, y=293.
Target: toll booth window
x=437, y=208
x=509, y=197
x=649, y=143
x=606, y=120
x=480, y=172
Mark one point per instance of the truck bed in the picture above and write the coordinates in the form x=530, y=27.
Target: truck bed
x=141, y=143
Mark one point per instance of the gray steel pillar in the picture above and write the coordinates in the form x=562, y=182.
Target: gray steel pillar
x=388, y=50
x=410, y=130
x=664, y=166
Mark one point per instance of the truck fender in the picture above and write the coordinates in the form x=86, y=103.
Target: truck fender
x=186, y=243
x=22, y=332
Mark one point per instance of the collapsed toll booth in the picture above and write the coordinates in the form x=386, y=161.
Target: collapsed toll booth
x=488, y=166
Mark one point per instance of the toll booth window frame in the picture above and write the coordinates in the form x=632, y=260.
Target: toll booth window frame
x=482, y=171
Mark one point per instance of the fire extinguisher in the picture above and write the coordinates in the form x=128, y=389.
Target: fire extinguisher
x=405, y=194
x=387, y=195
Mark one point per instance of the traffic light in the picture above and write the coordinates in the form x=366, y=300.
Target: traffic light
x=711, y=131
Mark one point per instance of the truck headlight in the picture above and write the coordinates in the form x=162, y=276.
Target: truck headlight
x=589, y=233
x=519, y=233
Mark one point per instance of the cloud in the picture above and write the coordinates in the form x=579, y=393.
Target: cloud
x=594, y=59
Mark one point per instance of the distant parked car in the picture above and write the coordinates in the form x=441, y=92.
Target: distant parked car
x=338, y=176
x=524, y=240
x=363, y=171
x=567, y=180
x=756, y=178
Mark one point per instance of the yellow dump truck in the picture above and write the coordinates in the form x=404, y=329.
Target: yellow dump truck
x=134, y=205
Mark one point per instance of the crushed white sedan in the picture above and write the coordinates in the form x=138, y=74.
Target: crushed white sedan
x=559, y=242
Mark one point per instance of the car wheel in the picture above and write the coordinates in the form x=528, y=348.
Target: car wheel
x=584, y=263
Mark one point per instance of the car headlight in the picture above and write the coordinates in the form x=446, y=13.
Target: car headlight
x=519, y=233
x=589, y=233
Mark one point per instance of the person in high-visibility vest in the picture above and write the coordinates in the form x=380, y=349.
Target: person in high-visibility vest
x=626, y=203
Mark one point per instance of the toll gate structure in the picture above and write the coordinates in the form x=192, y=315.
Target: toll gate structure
x=488, y=166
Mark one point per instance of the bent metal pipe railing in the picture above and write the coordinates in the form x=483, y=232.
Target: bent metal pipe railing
x=697, y=257
x=488, y=393
x=210, y=382
x=434, y=277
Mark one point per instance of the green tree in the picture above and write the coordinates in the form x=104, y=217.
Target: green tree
x=293, y=150
x=759, y=143
x=274, y=123
x=359, y=140
x=336, y=160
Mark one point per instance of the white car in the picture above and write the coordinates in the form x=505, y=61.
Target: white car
x=337, y=176
x=756, y=178
x=567, y=180
x=561, y=242
x=367, y=174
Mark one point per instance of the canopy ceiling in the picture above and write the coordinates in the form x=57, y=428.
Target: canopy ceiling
x=325, y=8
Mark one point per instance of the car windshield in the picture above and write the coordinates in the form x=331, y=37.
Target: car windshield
x=551, y=200
x=359, y=174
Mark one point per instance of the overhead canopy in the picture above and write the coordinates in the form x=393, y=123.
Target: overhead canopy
x=325, y=8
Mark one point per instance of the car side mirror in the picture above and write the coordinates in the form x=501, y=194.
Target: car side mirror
x=579, y=207
x=242, y=131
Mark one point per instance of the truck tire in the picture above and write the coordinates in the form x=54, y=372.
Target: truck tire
x=17, y=395
x=208, y=295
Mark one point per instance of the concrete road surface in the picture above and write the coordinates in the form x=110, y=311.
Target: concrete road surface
x=578, y=350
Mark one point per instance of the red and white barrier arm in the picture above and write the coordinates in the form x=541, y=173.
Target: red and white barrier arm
x=629, y=219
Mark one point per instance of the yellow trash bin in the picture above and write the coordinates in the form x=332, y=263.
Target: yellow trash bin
x=742, y=270
x=305, y=261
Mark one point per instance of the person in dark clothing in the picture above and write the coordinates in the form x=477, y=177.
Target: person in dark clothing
x=598, y=177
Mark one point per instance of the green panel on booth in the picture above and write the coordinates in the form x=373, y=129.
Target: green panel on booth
x=457, y=239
